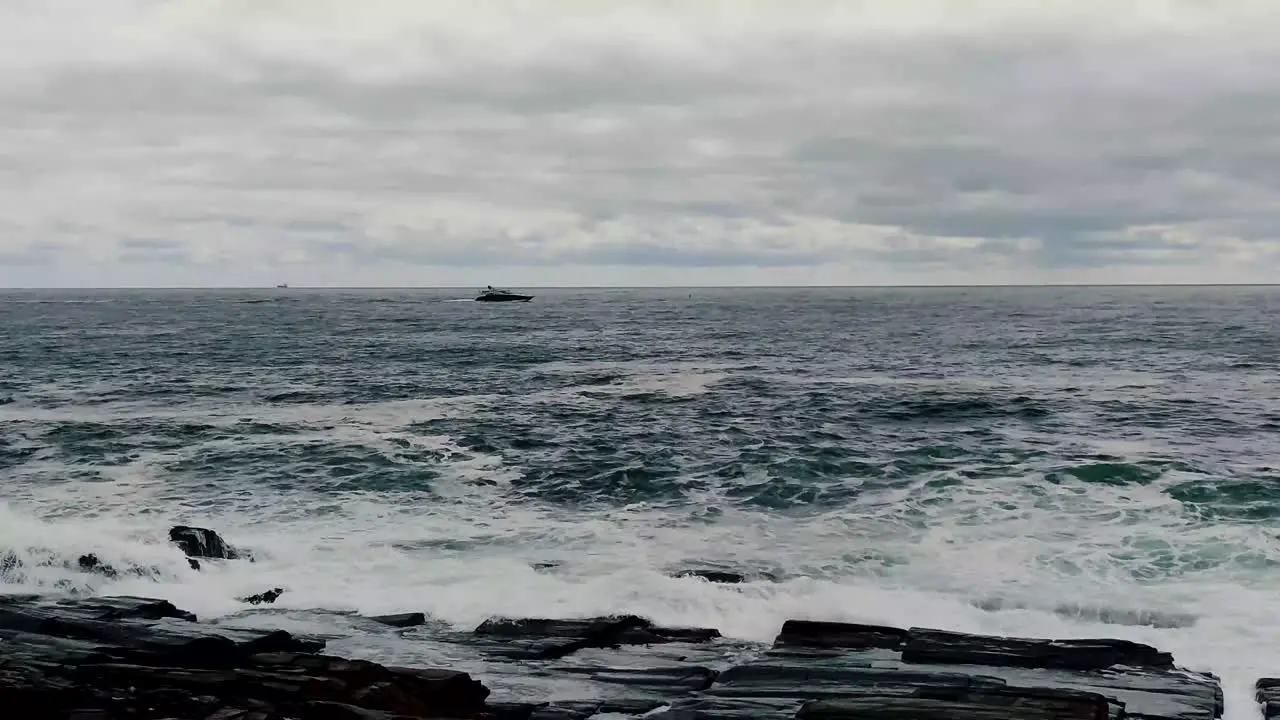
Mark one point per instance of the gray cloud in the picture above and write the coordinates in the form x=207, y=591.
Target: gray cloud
x=903, y=142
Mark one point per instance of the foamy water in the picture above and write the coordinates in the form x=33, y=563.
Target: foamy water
x=363, y=558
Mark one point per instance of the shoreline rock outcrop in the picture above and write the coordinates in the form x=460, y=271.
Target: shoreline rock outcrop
x=110, y=658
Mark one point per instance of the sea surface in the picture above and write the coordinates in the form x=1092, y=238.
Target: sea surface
x=1050, y=462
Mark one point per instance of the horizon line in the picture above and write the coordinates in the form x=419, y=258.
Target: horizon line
x=640, y=287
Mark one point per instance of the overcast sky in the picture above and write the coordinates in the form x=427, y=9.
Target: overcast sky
x=623, y=142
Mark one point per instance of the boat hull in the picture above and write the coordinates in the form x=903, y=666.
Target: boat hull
x=504, y=298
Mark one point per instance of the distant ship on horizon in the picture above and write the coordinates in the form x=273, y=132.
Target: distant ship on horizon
x=492, y=294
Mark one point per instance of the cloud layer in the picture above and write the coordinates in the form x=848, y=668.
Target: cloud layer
x=555, y=142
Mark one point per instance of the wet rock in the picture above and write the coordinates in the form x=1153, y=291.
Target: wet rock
x=267, y=597
x=839, y=671
x=34, y=609
x=90, y=563
x=401, y=620
x=320, y=710
x=1019, y=703
x=573, y=710
x=138, y=658
x=137, y=630
x=936, y=646
x=119, y=658
x=715, y=576
x=1268, y=695
x=127, y=607
x=678, y=678
x=10, y=566
x=202, y=543
x=545, y=639
x=849, y=636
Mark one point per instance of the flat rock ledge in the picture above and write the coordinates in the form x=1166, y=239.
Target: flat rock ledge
x=127, y=657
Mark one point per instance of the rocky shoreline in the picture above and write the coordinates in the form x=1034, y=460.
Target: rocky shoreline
x=108, y=658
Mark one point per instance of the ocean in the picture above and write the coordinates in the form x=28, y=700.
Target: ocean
x=1049, y=462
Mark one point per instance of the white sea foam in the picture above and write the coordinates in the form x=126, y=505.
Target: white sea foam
x=470, y=559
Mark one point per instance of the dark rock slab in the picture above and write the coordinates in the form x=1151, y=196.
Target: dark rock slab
x=838, y=670
x=677, y=678
x=141, y=629
x=993, y=704
x=27, y=612
x=140, y=658
x=198, y=542
x=401, y=620
x=117, y=658
x=547, y=639
x=126, y=607
x=841, y=671
x=938, y=646
x=848, y=636
x=834, y=676
x=572, y=710
x=614, y=661
x=323, y=710
x=586, y=710
x=1172, y=694
x=418, y=692
x=1268, y=695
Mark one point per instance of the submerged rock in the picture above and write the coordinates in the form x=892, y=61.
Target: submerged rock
x=90, y=563
x=16, y=567
x=402, y=620
x=716, y=576
x=1098, y=613
x=266, y=597
x=722, y=575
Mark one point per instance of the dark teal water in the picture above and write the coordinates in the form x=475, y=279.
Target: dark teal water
x=1063, y=460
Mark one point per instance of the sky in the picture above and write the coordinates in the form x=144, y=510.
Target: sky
x=163, y=143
